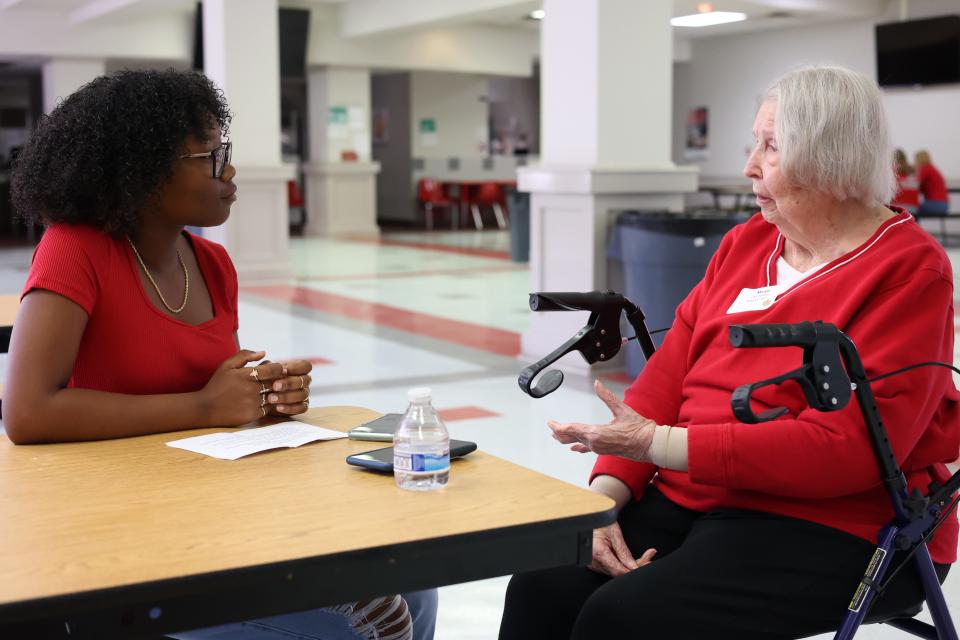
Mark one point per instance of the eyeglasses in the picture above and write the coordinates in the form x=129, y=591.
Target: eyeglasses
x=219, y=157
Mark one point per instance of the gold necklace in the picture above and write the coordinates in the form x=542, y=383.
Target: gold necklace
x=186, y=279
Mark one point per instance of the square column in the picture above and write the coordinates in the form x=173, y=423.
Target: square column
x=606, y=139
x=341, y=193
x=257, y=233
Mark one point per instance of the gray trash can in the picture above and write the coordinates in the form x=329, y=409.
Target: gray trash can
x=518, y=205
x=664, y=256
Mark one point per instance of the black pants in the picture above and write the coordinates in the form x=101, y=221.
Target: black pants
x=728, y=574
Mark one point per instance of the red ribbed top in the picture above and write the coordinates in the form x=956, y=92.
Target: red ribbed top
x=130, y=346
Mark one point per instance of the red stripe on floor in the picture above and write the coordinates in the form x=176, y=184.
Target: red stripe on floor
x=475, y=336
x=411, y=274
x=465, y=413
x=445, y=248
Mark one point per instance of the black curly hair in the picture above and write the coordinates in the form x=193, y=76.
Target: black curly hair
x=106, y=150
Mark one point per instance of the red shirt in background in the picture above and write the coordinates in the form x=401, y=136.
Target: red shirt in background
x=908, y=192
x=130, y=346
x=932, y=184
x=893, y=296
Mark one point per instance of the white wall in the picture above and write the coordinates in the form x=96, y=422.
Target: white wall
x=728, y=75
x=164, y=36
x=456, y=103
x=465, y=48
x=345, y=87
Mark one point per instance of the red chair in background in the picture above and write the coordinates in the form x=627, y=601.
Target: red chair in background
x=488, y=193
x=295, y=201
x=430, y=195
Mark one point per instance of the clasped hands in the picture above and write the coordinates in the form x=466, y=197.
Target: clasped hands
x=628, y=434
x=238, y=394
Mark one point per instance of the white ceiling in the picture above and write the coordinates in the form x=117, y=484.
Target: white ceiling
x=762, y=14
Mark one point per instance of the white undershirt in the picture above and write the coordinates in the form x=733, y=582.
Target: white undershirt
x=787, y=276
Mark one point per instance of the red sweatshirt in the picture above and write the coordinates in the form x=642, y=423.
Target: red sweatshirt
x=908, y=191
x=893, y=296
x=932, y=184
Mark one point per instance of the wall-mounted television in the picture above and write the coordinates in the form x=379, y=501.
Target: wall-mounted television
x=919, y=52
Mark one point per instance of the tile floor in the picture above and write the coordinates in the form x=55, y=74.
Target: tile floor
x=443, y=309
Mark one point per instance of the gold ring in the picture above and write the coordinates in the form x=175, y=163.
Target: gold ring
x=301, y=382
x=263, y=412
x=263, y=401
x=255, y=374
x=263, y=389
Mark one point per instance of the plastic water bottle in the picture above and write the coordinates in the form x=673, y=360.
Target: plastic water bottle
x=421, y=446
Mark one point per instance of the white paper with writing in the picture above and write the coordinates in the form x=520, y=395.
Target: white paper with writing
x=231, y=445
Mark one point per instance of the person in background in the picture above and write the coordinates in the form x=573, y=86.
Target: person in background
x=933, y=188
x=908, y=193
x=522, y=146
x=762, y=531
x=127, y=324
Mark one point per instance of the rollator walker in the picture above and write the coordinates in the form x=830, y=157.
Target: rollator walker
x=830, y=375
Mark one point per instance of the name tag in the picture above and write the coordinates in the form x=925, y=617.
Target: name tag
x=755, y=299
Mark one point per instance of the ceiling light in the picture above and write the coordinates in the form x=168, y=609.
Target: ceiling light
x=538, y=14
x=707, y=19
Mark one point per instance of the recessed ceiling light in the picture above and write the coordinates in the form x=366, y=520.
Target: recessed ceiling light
x=538, y=14
x=707, y=19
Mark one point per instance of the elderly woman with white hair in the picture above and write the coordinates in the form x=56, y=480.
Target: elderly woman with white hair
x=763, y=530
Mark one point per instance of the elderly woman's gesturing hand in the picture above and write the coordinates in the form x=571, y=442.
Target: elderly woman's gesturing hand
x=628, y=435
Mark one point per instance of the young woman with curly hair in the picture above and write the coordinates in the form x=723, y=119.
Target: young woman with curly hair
x=128, y=322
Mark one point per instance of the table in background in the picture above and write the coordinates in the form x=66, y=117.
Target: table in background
x=130, y=537
x=8, y=313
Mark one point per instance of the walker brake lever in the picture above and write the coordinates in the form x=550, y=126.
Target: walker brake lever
x=822, y=378
x=599, y=340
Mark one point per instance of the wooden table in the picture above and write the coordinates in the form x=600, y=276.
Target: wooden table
x=129, y=537
x=8, y=313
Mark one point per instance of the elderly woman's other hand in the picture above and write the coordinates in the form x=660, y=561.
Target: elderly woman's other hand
x=628, y=435
x=611, y=556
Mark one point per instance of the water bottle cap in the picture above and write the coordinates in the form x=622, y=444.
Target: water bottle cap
x=418, y=394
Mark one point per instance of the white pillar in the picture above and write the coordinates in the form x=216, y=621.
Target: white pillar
x=341, y=195
x=605, y=138
x=240, y=53
x=62, y=76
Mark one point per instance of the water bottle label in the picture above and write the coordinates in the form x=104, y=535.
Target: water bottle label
x=402, y=462
x=429, y=462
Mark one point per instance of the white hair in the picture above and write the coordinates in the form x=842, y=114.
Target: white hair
x=832, y=133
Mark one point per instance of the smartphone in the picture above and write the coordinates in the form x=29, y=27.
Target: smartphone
x=379, y=430
x=382, y=459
